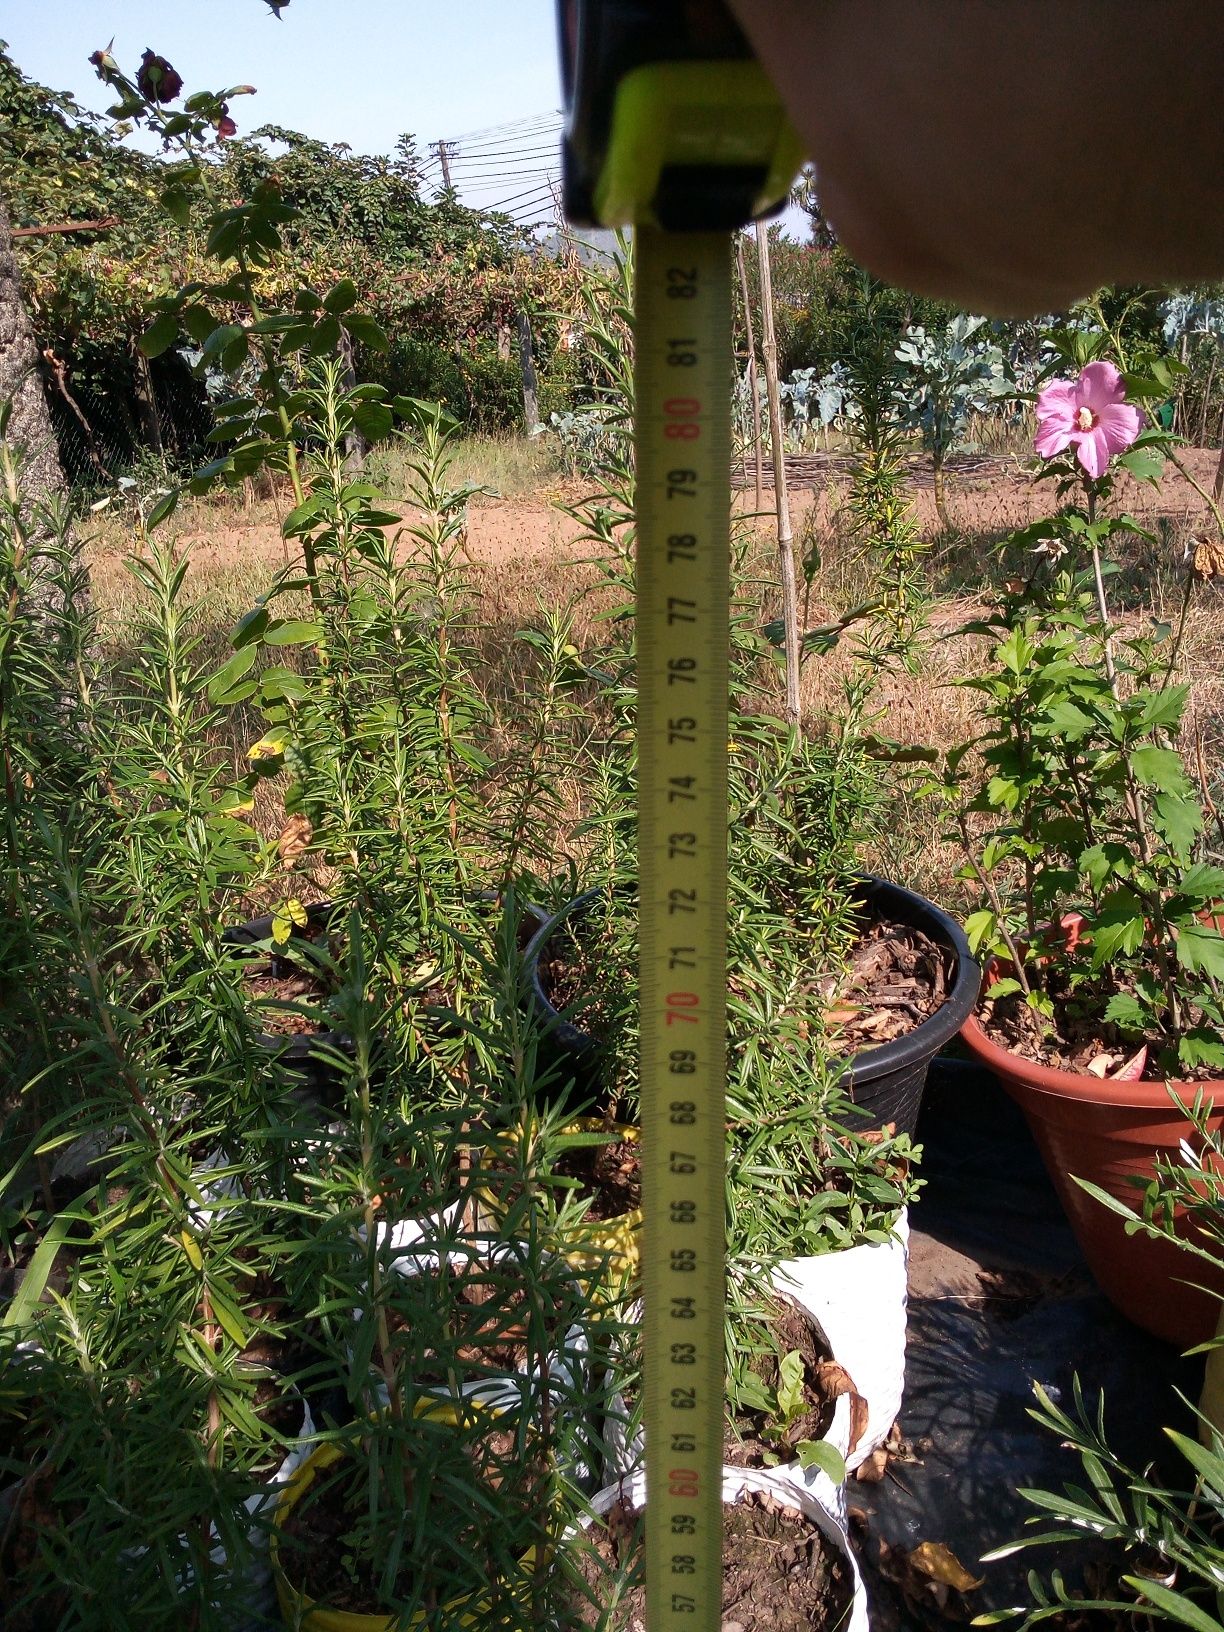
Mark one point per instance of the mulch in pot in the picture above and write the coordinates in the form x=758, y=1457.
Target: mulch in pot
x=780, y=1572
x=898, y=977
x=282, y=982
x=610, y=1175
x=1076, y=1037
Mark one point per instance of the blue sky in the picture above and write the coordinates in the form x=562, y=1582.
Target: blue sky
x=356, y=71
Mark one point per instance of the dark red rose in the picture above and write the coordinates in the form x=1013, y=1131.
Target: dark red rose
x=156, y=80
x=225, y=125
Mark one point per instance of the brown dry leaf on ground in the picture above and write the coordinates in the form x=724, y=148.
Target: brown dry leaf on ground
x=941, y=1564
x=294, y=839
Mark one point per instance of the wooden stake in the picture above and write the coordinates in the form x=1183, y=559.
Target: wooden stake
x=786, y=556
x=752, y=370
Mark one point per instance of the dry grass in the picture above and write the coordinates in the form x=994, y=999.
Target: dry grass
x=524, y=560
x=510, y=467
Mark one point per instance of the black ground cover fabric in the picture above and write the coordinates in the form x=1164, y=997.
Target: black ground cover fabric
x=999, y=1298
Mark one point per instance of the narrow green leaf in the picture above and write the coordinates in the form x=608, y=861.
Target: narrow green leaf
x=38, y=1273
x=1173, y=1604
x=228, y=1317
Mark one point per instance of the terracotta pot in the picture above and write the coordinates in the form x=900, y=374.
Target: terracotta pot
x=1111, y=1133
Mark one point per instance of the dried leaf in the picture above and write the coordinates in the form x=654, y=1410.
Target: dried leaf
x=834, y=1380
x=294, y=838
x=939, y=1563
x=1099, y=1064
x=873, y=1468
x=1208, y=558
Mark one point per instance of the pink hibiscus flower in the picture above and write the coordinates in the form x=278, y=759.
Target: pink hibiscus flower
x=1092, y=413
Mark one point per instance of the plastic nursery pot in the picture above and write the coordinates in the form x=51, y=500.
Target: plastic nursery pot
x=1111, y=1133
x=298, y=1609
x=304, y=1053
x=609, y=1249
x=737, y=1483
x=857, y=1298
x=885, y=1082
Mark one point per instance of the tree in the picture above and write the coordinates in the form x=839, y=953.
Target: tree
x=21, y=382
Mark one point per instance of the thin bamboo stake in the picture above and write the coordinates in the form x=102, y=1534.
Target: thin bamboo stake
x=752, y=370
x=786, y=555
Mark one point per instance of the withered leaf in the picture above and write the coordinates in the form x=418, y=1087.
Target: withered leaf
x=1208, y=558
x=294, y=838
x=941, y=1564
x=833, y=1380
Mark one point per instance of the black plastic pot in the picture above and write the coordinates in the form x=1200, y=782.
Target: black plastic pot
x=305, y=1054
x=885, y=1082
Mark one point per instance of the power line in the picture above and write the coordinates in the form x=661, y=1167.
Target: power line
x=534, y=142
x=513, y=125
x=501, y=178
x=492, y=160
x=527, y=192
x=544, y=200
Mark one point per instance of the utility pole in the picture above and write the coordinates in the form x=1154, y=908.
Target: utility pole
x=443, y=150
x=786, y=556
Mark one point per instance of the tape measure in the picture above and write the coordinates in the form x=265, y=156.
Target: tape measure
x=675, y=130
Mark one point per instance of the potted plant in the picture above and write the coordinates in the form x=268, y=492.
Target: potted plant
x=855, y=957
x=822, y=1209
x=790, y=1405
x=288, y=970
x=393, y=1526
x=1083, y=832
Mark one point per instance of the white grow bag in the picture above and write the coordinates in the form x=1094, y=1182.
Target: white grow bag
x=858, y=1299
x=625, y=1448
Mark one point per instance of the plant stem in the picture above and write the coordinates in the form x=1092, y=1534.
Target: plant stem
x=996, y=906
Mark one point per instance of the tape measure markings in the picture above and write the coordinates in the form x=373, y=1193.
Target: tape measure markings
x=682, y=362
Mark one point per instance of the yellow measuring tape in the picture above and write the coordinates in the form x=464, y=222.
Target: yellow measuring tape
x=682, y=379
x=672, y=124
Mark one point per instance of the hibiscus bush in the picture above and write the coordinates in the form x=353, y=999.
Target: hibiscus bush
x=1073, y=804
